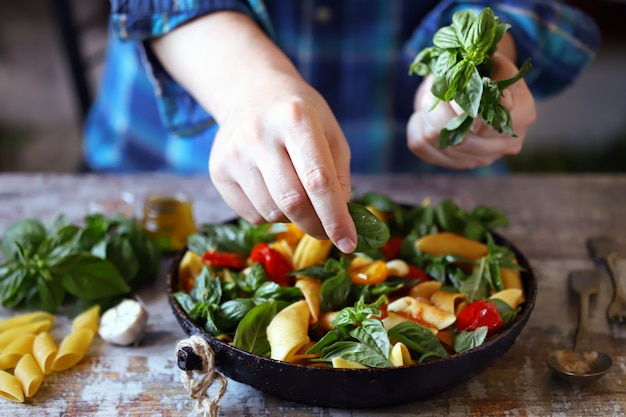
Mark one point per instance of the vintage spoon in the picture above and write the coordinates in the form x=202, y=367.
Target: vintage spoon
x=581, y=365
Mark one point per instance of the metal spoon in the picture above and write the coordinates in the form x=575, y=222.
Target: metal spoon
x=581, y=365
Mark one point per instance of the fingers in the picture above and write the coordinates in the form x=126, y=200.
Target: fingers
x=291, y=163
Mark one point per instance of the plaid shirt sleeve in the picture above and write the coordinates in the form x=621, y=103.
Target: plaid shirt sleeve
x=140, y=20
x=560, y=40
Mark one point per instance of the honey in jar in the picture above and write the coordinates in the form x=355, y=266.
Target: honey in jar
x=168, y=218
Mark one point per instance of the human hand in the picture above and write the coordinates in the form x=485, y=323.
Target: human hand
x=283, y=157
x=483, y=144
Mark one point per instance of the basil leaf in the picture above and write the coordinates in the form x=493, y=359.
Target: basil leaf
x=251, y=332
x=356, y=352
x=418, y=339
x=465, y=340
x=30, y=232
x=87, y=276
x=372, y=232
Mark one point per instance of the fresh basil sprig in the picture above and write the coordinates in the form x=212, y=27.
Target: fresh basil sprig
x=461, y=62
x=46, y=267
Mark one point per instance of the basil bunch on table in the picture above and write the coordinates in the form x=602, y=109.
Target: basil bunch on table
x=461, y=62
x=98, y=263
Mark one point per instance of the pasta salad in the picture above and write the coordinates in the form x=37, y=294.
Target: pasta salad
x=439, y=284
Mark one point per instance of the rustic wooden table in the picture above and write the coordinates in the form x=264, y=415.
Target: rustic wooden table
x=550, y=216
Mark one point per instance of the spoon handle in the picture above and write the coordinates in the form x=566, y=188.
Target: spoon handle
x=582, y=333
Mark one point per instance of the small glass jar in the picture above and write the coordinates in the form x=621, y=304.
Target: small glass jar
x=169, y=219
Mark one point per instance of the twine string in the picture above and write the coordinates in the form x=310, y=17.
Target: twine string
x=197, y=383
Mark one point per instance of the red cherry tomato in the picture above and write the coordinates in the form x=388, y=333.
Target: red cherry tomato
x=224, y=259
x=416, y=273
x=276, y=265
x=391, y=248
x=478, y=314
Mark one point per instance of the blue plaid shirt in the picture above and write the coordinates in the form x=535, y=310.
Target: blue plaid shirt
x=356, y=53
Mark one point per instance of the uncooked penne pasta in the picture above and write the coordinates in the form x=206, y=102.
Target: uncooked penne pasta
x=29, y=375
x=25, y=319
x=15, y=350
x=10, y=388
x=11, y=334
x=72, y=349
x=44, y=351
x=88, y=319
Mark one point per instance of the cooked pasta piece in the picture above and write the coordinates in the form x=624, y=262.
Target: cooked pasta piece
x=29, y=375
x=425, y=289
x=447, y=301
x=511, y=278
x=44, y=351
x=10, y=388
x=343, y=363
x=11, y=334
x=312, y=290
x=400, y=355
x=72, y=349
x=15, y=350
x=25, y=319
x=512, y=296
x=422, y=312
x=88, y=319
x=288, y=331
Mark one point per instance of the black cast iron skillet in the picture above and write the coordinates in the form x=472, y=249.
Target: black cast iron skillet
x=355, y=388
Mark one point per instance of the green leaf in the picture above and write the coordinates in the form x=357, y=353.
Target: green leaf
x=418, y=338
x=356, y=352
x=372, y=232
x=469, y=98
x=87, y=276
x=455, y=131
x=251, y=333
x=447, y=38
x=51, y=294
x=29, y=232
x=466, y=340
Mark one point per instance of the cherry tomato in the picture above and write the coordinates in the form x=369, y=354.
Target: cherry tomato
x=416, y=273
x=370, y=273
x=276, y=265
x=478, y=314
x=224, y=259
x=391, y=248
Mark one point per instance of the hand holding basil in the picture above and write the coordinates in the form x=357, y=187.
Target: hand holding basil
x=461, y=62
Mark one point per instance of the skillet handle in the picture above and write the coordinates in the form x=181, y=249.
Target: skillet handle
x=188, y=360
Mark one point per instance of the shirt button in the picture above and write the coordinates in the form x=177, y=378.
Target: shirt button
x=323, y=14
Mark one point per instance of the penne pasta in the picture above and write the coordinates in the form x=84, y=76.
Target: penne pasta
x=72, y=349
x=447, y=301
x=29, y=375
x=346, y=364
x=400, y=355
x=425, y=289
x=422, y=312
x=10, y=388
x=11, y=334
x=312, y=290
x=25, y=319
x=21, y=346
x=88, y=319
x=44, y=351
x=512, y=296
x=289, y=331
